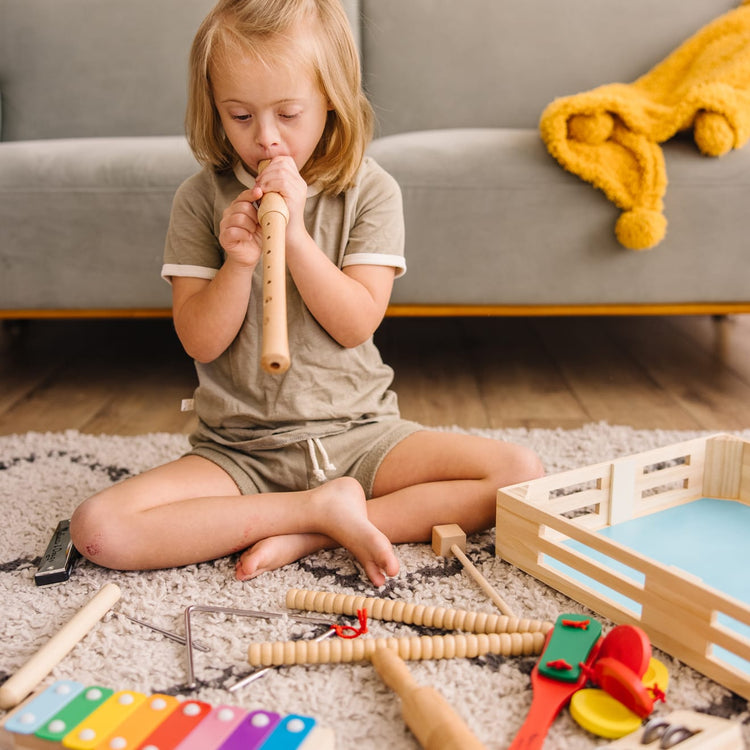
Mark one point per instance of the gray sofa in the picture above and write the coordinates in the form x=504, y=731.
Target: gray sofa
x=91, y=152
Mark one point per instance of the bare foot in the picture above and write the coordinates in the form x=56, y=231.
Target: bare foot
x=277, y=551
x=340, y=508
x=337, y=511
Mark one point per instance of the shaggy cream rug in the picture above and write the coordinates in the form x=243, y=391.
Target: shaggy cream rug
x=44, y=476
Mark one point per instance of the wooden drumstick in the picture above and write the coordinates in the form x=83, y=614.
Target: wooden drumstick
x=17, y=687
x=430, y=717
x=273, y=216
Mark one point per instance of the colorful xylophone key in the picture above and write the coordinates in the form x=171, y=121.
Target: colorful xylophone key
x=69, y=715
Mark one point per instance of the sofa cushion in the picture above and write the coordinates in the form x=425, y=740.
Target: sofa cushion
x=491, y=218
x=83, y=221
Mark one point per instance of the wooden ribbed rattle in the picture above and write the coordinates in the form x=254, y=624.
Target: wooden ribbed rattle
x=411, y=613
x=412, y=648
x=273, y=216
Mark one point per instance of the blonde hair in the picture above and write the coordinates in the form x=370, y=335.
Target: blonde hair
x=251, y=26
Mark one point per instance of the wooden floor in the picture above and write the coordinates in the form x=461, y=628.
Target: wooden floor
x=128, y=376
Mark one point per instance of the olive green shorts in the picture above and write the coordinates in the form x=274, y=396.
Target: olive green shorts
x=302, y=465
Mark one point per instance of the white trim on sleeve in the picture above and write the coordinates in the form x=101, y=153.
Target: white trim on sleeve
x=376, y=259
x=168, y=270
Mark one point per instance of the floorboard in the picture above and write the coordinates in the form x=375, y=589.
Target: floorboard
x=129, y=376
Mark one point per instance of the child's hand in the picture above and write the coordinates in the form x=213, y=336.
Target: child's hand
x=239, y=230
x=282, y=176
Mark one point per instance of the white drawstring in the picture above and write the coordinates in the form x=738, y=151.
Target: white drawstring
x=318, y=473
x=326, y=461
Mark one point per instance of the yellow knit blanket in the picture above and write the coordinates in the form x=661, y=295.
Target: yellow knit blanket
x=609, y=136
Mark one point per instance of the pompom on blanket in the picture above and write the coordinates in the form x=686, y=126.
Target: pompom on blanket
x=610, y=136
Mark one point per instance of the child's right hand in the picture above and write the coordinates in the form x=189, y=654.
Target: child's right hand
x=239, y=231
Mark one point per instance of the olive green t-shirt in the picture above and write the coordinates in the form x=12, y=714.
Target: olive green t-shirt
x=328, y=387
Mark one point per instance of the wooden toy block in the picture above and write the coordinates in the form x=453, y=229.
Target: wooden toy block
x=450, y=539
x=563, y=530
x=445, y=537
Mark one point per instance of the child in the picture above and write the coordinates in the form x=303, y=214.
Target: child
x=279, y=80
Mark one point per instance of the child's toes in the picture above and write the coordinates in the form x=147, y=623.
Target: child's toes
x=392, y=567
x=375, y=574
x=245, y=568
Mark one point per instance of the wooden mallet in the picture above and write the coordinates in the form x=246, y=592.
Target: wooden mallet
x=450, y=539
x=57, y=647
x=430, y=717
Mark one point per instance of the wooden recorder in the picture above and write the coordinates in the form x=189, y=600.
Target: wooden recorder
x=70, y=715
x=273, y=216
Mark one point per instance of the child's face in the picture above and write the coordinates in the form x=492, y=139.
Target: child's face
x=268, y=111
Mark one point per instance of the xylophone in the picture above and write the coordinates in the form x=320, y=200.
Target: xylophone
x=71, y=715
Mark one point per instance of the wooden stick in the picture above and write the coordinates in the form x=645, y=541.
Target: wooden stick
x=411, y=613
x=17, y=687
x=482, y=582
x=451, y=538
x=273, y=216
x=467, y=645
x=430, y=717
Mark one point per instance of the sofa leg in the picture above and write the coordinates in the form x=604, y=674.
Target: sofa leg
x=721, y=324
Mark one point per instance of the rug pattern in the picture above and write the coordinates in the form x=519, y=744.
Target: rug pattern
x=44, y=476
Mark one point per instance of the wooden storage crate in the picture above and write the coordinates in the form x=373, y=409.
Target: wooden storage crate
x=554, y=528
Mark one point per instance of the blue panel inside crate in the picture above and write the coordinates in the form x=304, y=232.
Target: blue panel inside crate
x=707, y=538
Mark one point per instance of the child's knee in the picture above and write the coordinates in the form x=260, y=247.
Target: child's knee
x=531, y=466
x=83, y=529
x=521, y=464
x=91, y=531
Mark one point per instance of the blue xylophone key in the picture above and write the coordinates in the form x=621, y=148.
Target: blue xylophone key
x=43, y=707
x=290, y=733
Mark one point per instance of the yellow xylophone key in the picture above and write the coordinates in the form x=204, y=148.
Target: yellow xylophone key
x=103, y=721
x=141, y=723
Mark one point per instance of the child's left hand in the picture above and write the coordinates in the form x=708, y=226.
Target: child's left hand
x=282, y=176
